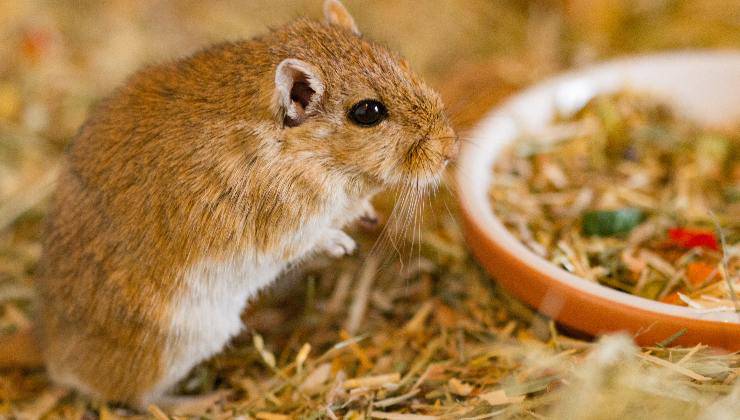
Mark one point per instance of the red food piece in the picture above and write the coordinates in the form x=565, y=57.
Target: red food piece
x=692, y=238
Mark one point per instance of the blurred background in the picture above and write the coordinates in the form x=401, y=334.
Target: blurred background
x=57, y=58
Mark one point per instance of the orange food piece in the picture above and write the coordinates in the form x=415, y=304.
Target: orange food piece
x=672, y=298
x=699, y=273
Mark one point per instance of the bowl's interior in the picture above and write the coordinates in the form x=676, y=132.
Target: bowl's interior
x=702, y=86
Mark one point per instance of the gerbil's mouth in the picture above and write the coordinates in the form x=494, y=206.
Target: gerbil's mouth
x=428, y=157
x=424, y=178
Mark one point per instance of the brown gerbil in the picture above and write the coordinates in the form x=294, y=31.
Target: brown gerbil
x=196, y=183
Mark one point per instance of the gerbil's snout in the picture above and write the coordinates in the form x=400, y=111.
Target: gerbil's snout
x=450, y=146
x=448, y=143
x=431, y=155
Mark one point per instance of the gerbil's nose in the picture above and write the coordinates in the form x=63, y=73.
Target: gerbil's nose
x=451, y=146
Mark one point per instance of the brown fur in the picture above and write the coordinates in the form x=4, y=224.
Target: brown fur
x=191, y=160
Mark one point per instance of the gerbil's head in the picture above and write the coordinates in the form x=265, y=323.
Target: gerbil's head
x=356, y=106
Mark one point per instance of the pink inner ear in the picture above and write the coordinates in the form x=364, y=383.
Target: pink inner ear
x=301, y=93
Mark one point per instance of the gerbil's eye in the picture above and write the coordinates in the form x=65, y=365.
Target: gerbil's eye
x=368, y=112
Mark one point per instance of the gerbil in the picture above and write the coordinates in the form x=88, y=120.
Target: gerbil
x=197, y=182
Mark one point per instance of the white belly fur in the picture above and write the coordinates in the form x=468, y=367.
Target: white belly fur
x=207, y=313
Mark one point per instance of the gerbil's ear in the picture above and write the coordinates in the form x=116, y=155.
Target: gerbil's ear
x=336, y=14
x=298, y=90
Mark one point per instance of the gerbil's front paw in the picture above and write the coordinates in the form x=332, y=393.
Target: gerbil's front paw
x=368, y=217
x=337, y=243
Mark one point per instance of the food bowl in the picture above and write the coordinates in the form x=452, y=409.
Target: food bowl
x=702, y=86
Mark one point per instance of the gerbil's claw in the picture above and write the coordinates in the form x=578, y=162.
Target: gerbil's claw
x=338, y=244
x=368, y=223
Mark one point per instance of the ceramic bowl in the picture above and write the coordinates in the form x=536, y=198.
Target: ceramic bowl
x=703, y=86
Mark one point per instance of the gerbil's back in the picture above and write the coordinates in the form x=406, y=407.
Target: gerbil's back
x=146, y=159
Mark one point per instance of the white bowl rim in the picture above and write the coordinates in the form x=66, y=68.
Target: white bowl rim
x=474, y=172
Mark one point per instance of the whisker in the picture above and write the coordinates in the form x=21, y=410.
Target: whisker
x=421, y=224
x=471, y=141
x=410, y=225
x=384, y=238
x=403, y=214
x=449, y=212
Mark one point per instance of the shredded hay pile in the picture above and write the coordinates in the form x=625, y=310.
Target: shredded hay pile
x=673, y=238
x=416, y=335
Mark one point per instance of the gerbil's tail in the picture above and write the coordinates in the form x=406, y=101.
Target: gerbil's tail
x=20, y=350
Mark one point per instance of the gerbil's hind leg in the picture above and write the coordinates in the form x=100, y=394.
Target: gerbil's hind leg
x=112, y=364
x=336, y=243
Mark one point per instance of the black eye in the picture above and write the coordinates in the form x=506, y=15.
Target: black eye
x=368, y=112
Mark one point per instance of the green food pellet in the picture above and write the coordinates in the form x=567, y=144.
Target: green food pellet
x=611, y=222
